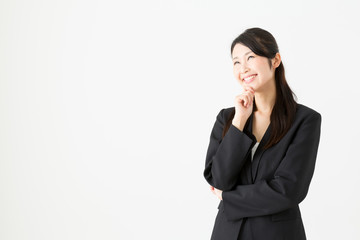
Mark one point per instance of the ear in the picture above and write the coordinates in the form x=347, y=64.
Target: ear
x=276, y=60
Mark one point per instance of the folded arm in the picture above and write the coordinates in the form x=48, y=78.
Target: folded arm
x=290, y=183
x=225, y=157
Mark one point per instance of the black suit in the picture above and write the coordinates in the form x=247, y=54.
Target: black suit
x=260, y=198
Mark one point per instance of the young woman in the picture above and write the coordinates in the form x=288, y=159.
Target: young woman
x=262, y=152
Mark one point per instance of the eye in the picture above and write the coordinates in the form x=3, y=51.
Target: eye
x=236, y=62
x=250, y=57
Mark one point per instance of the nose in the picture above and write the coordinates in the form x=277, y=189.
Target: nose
x=243, y=69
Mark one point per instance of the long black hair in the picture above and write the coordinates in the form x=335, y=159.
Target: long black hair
x=262, y=43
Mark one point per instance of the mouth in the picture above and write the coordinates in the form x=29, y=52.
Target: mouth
x=249, y=79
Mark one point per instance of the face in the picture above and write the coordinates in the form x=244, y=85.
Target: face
x=251, y=70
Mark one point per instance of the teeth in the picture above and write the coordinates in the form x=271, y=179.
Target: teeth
x=248, y=78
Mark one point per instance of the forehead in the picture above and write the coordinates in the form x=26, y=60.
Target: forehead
x=240, y=50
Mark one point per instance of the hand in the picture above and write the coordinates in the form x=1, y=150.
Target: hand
x=217, y=192
x=243, y=107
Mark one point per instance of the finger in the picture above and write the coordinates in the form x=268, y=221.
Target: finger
x=247, y=100
x=250, y=94
x=244, y=101
x=241, y=100
x=218, y=193
x=244, y=97
x=250, y=89
x=250, y=97
x=250, y=102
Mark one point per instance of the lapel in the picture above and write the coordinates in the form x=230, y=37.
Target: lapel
x=259, y=151
x=248, y=132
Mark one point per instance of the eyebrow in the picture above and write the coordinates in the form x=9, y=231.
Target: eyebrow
x=244, y=54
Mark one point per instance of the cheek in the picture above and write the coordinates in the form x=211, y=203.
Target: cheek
x=236, y=73
x=237, y=78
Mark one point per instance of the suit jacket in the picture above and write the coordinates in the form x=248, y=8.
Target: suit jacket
x=260, y=198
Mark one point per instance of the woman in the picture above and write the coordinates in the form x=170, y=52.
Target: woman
x=262, y=152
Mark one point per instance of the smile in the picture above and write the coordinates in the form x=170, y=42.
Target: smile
x=249, y=79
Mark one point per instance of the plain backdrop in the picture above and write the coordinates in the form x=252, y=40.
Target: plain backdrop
x=106, y=109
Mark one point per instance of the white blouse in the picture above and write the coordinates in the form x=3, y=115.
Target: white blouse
x=253, y=150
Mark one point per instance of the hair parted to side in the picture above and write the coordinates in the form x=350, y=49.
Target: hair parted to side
x=262, y=43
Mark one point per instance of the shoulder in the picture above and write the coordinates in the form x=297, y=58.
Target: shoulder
x=304, y=112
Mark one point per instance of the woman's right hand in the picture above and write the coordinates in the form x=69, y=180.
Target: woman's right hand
x=243, y=107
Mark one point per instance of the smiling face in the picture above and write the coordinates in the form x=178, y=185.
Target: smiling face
x=251, y=70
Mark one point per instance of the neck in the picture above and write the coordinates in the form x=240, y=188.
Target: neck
x=265, y=100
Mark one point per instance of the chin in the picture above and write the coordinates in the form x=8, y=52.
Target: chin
x=253, y=86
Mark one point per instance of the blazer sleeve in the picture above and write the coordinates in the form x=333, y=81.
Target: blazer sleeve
x=225, y=156
x=290, y=183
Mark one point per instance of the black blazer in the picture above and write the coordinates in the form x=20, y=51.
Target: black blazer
x=260, y=198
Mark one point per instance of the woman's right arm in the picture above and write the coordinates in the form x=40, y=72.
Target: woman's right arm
x=225, y=156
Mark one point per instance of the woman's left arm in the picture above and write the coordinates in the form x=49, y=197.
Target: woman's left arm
x=290, y=183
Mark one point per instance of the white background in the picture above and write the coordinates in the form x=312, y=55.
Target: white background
x=106, y=109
